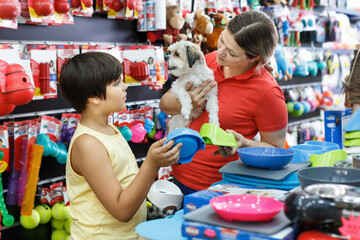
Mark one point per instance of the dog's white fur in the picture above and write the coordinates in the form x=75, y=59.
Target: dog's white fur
x=186, y=61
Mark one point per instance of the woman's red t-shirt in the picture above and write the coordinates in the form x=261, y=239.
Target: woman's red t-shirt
x=248, y=104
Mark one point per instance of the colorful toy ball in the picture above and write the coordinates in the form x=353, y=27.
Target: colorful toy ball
x=30, y=222
x=59, y=211
x=59, y=235
x=298, y=109
x=67, y=225
x=307, y=106
x=149, y=125
x=319, y=96
x=313, y=105
x=328, y=98
x=138, y=133
x=126, y=132
x=57, y=224
x=290, y=106
x=44, y=212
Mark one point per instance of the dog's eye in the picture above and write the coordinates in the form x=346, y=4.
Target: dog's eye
x=176, y=54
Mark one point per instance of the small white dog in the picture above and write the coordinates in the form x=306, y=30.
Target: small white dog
x=186, y=61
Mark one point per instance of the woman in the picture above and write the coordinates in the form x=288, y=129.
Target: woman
x=250, y=100
x=352, y=83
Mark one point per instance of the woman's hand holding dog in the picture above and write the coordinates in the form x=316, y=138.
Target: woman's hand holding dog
x=198, y=94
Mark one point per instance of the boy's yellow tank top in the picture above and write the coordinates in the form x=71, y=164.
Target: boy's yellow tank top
x=90, y=219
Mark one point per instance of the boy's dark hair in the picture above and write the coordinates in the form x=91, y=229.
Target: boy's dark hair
x=87, y=75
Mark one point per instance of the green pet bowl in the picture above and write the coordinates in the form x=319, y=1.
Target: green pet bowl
x=351, y=135
x=214, y=135
x=351, y=142
x=327, y=159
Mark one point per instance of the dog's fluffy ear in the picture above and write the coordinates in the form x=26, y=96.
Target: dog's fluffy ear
x=192, y=55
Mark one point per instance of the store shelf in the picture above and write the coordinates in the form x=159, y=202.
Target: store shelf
x=67, y=110
x=318, y=46
x=309, y=117
x=301, y=85
x=350, y=13
x=353, y=14
x=297, y=81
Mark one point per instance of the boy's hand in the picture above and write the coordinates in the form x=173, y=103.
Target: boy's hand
x=164, y=155
x=229, y=151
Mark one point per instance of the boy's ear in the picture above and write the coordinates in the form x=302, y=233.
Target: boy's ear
x=94, y=100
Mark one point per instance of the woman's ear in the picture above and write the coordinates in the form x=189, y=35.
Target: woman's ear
x=255, y=59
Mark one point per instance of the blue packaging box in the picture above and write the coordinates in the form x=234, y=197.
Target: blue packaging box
x=196, y=230
x=198, y=199
x=335, y=121
x=201, y=198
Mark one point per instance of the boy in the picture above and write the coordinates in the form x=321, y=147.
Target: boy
x=106, y=189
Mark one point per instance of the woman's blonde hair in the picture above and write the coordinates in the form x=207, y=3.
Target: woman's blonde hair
x=256, y=33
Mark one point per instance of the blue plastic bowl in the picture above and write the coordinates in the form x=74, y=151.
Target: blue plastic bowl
x=353, y=124
x=304, y=151
x=265, y=157
x=191, y=140
x=328, y=146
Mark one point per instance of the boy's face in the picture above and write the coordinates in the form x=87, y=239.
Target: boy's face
x=116, y=95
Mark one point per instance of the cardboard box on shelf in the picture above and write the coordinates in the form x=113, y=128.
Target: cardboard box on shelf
x=196, y=230
x=201, y=198
x=335, y=121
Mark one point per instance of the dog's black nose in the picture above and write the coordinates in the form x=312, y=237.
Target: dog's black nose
x=166, y=57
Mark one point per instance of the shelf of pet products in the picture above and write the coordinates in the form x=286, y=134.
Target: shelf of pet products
x=63, y=177
x=305, y=120
x=150, y=102
x=66, y=43
x=327, y=46
x=143, y=63
x=300, y=82
x=353, y=14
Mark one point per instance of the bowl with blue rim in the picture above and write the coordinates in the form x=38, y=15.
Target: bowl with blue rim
x=265, y=157
x=191, y=140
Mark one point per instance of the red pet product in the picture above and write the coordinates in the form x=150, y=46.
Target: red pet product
x=9, y=9
x=19, y=89
x=24, y=8
x=87, y=3
x=140, y=71
x=43, y=7
x=45, y=196
x=131, y=4
x=55, y=193
x=62, y=6
x=5, y=107
x=75, y=3
x=117, y=5
x=44, y=78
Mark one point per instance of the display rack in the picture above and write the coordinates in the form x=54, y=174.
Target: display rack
x=95, y=30
x=297, y=82
x=302, y=82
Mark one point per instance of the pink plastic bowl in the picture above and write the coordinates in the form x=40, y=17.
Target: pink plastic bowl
x=246, y=207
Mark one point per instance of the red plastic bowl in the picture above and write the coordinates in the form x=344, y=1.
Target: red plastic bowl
x=246, y=207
